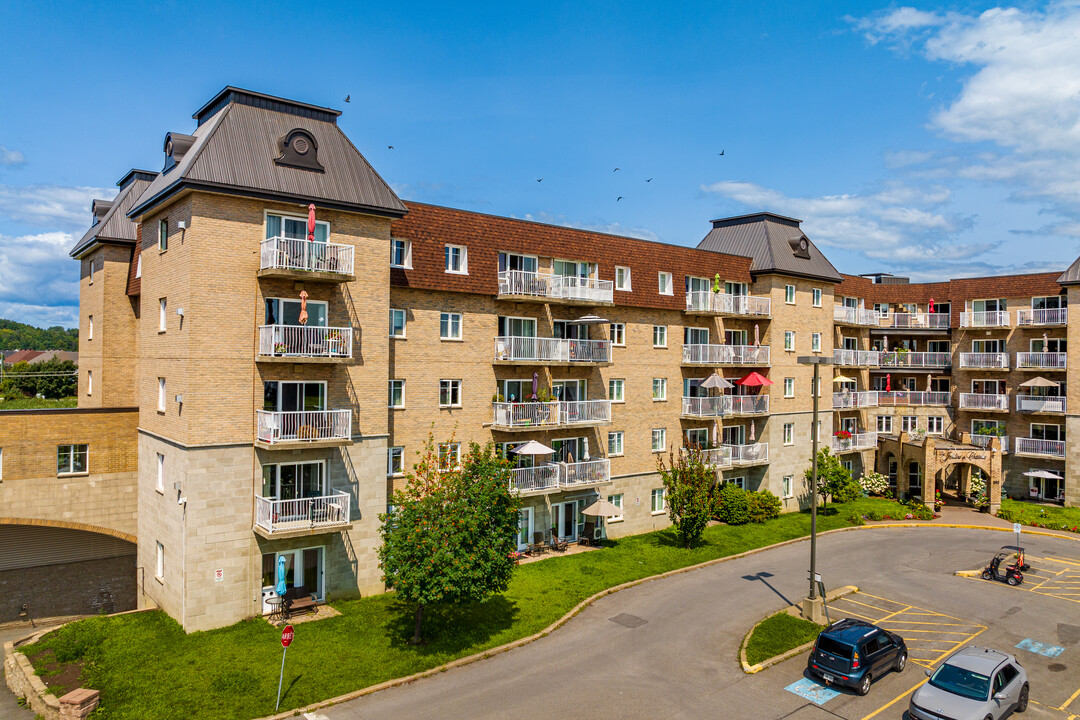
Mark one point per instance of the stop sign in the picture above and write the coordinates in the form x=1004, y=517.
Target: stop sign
x=286, y=636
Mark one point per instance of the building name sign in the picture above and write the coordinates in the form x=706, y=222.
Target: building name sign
x=962, y=455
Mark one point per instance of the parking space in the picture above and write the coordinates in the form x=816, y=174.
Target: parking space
x=1055, y=577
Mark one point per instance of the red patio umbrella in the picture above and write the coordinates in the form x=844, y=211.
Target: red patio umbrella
x=888, y=382
x=754, y=379
x=311, y=221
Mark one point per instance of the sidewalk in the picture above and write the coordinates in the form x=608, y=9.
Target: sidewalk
x=9, y=708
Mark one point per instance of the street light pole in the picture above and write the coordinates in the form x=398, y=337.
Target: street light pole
x=813, y=605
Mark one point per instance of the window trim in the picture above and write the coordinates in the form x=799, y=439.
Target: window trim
x=817, y=294
x=664, y=333
x=71, y=460
x=390, y=393
x=619, y=504
x=461, y=326
x=89, y=382
x=663, y=389
x=789, y=290
x=159, y=562
x=789, y=334
x=622, y=386
x=163, y=315
x=815, y=342
x=626, y=278
x=788, y=437
x=889, y=423
x=404, y=323
x=459, y=392
x=163, y=235
x=789, y=387
x=621, y=333
x=463, y=261
x=622, y=443
x=670, y=283
x=653, y=494
x=390, y=461
x=90, y=328
x=162, y=395
x=788, y=492
x=160, y=473
x=408, y=253
x=663, y=438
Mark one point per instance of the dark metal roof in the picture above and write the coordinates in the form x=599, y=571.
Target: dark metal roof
x=235, y=151
x=772, y=242
x=1071, y=276
x=115, y=226
x=230, y=94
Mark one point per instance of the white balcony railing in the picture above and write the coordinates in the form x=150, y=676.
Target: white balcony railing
x=279, y=253
x=856, y=316
x=983, y=441
x=706, y=301
x=279, y=516
x=985, y=361
x=857, y=441
x=726, y=354
x=1046, y=316
x=1040, y=403
x=589, y=472
x=857, y=358
x=1045, y=448
x=993, y=318
x=847, y=399
x=533, y=479
x=717, y=458
x=898, y=359
x=716, y=406
x=1041, y=360
x=917, y=321
x=896, y=398
x=749, y=454
x=983, y=401
x=305, y=341
x=558, y=287
x=748, y=404
x=304, y=426
x=560, y=475
x=541, y=414
x=534, y=349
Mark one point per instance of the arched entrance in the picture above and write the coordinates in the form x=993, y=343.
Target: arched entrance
x=922, y=460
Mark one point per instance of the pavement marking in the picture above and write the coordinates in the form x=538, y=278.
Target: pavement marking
x=1034, y=646
x=895, y=700
x=812, y=691
x=1069, y=702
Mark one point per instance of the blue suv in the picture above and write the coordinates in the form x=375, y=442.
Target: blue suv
x=852, y=653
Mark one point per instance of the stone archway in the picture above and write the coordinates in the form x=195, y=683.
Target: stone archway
x=936, y=456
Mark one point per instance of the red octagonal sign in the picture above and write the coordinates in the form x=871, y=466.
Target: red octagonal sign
x=286, y=636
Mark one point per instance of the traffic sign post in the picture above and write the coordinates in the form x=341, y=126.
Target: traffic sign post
x=286, y=640
x=1016, y=529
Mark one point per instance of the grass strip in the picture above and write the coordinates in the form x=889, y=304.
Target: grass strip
x=777, y=634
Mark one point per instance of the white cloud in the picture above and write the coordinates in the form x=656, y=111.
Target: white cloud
x=895, y=24
x=39, y=283
x=11, y=157
x=50, y=206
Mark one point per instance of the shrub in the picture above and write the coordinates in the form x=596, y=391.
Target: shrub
x=732, y=505
x=874, y=514
x=874, y=483
x=856, y=519
x=918, y=511
x=763, y=505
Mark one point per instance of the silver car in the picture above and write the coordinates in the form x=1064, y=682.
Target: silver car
x=974, y=683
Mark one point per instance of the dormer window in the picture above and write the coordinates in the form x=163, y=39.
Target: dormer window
x=800, y=247
x=176, y=146
x=299, y=149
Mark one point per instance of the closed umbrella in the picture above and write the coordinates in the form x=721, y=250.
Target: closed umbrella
x=536, y=380
x=929, y=382
x=931, y=305
x=280, y=587
x=754, y=379
x=311, y=222
x=303, y=307
x=1046, y=343
x=885, y=343
x=757, y=335
x=752, y=438
x=888, y=382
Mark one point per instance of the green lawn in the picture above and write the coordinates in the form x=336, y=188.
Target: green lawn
x=777, y=634
x=35, y=403
x=146, y=667
x=1049, y=515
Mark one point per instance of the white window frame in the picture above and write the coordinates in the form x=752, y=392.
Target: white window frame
x=620, y=396
x=404, y=322
x=400, y=385
x=462, y=259
x=938, y=421
x=660, y=330
x=408, y=253
x=160, y=473
x=789, y=341
x=90, y=327
x=622, y=283
x=392, y=452
x=615, y=436
x=618, y=334
x=882, y=309
x=161, y=394
x=659, y=384
x=661, y=435
x=89, y=382
x=138, y=267
x=909, y=423
x=817, y=297
x=789, y=387
x=453, y=449
x=787, y=487
x=653, y=505
x=789, y=294
x=163, y=308
x=789, y=433
x=888, y=422
x=815, y=342
x=617, y=501
x=159, y=562
x=663, y=279
x=71, y=459
x=163, y=235
x=92, y=273
x=450, y=384
x=449, y=316
x=738, y=480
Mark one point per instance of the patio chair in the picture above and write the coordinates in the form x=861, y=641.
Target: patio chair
x=557, y=543
x=538, y=545
x=588, y=537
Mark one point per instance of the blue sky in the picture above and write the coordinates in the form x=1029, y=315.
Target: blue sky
x=933, y=140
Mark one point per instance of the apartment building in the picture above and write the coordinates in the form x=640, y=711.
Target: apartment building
x=287, y=373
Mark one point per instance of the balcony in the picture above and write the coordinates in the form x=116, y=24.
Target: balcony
x=532, y=415
x=898, y=398
x=286, y=518
x=1054, y=404
x=299, y=258
x=857, y=442
x=992, y=319
x=1040, y=360
x=1040, y=448
x=542, y=287
x=1047, y=316
x=857, y=358
x=855, y=316
x=747, y=405
x=750, y=355
x=915, y=360
x=552, y=477
x=984, y=361
x=849, y=400
x=704, y=302
x=304, y=428
x=717, y=458
x=916, y=321
x=302, y=343
x=552, y=351
x=753, y=454
x=983, y=441
x=984, y=401
x=706, y=407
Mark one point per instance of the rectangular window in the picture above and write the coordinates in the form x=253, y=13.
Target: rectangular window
x=615, y=443
x=737, y=481
x=909, y=423
x=787, y=487
x=664, y=281
x=935, y=425
x=90, y=327
x=161, y=394
x=882, y=309
x=659, y=389
x=618, y=334
x=622, y=278
x=160, y=472
x=848, y=465
x=789, y=433
x=659, y=439
x=789, y=294
x=789, y=387
x=71, y=459
x=91, y=276
x=449, y=455
x=884, y=423
x=162, y=305
x=697, y=438
x=457, y=259
x=789, y=340
x=159, y=565
x=815, y=342
x=401, y=253
x=163, y=235
x=397, y=393
x=397, y=323
x=657, y=500
x=616, y=388
x=817, y=297
x=395, y=461
x=449, y=393
x=615, y=500
x=659, y=336
x=89, y=382
x=450, y=326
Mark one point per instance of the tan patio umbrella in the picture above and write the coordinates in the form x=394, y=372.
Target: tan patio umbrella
x=757, y=336
x=1043, y=474
x=929, y=382
x=843, y=379
x=1039, y=382
x=532, y=448
x=588, y=320
x=303, y=307
x=716, y=381
x=601, y=508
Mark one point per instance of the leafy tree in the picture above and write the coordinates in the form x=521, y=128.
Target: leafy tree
x=686, y=493
x=732, y=505
x=834, y=480
x=19, y=336
x=52, y=378
x=763, y=505
x=449, y=535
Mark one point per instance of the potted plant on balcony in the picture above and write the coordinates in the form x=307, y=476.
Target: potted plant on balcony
x=336, y=342
x=843, y=434
x=279, y=348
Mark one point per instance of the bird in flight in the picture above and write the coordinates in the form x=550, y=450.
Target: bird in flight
x=649, y=180
x=720, y=153
x=389, y=147
x=615, y=170
x=618, y=198
x=539, y=179
x=348, y=98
